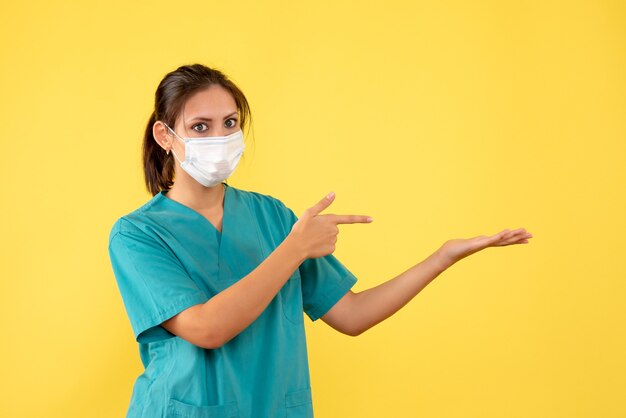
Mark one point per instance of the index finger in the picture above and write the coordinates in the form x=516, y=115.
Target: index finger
x=350, y=219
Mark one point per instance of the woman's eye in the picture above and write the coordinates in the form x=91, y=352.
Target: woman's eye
x=232, y=125
x=196, y=125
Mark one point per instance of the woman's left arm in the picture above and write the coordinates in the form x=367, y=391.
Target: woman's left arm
x=357, y=312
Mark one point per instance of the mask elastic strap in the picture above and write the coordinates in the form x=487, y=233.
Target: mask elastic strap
x=172, y=131
x=176, y=156
x=175, y=134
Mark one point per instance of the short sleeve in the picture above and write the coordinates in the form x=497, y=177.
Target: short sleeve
x=153, y=283
x=324, y=280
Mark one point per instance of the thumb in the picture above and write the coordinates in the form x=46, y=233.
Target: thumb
x=321, y=205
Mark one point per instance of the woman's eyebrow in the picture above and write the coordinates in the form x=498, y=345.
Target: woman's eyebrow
x=209, y=119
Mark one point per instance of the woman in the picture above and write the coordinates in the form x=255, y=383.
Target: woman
x=215, y=279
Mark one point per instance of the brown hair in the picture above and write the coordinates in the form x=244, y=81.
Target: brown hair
x=169, y=99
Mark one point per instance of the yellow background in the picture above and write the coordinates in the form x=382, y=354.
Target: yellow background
x=441, y=119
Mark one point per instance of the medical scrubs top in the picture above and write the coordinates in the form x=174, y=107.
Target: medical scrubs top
x=167, y=257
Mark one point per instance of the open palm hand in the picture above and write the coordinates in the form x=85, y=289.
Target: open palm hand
x=457, y=249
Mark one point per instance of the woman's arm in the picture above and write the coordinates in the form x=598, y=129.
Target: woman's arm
x=217, y=321
x=212, y=324
x=357, y=312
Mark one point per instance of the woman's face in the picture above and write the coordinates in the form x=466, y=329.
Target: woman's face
x=209, y=112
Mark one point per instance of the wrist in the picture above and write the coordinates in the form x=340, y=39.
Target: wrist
x=294, y=246
x=440, y=260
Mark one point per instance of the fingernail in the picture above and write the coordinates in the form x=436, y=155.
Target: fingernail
x=330, y=195
x=370, y=219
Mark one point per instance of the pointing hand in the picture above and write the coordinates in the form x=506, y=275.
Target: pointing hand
x=317, y=234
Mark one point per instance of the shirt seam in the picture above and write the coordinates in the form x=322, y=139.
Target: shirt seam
x=164, y=314
x=333, y=295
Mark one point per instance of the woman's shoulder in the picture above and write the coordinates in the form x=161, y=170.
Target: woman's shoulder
x=137, y=220
x=268, y=206
x=260, y=198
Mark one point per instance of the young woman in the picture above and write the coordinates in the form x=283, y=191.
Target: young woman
x=215, y=279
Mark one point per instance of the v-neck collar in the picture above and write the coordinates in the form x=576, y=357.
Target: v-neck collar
x=239, y=247
x=219, y=234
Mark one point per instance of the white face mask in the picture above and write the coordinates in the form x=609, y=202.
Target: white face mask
x=211, y=160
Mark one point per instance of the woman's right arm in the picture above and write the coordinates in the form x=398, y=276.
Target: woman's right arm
x=225, y=315
x=215, y=322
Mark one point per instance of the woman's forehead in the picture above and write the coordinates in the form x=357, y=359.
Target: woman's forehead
x=213, y=102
